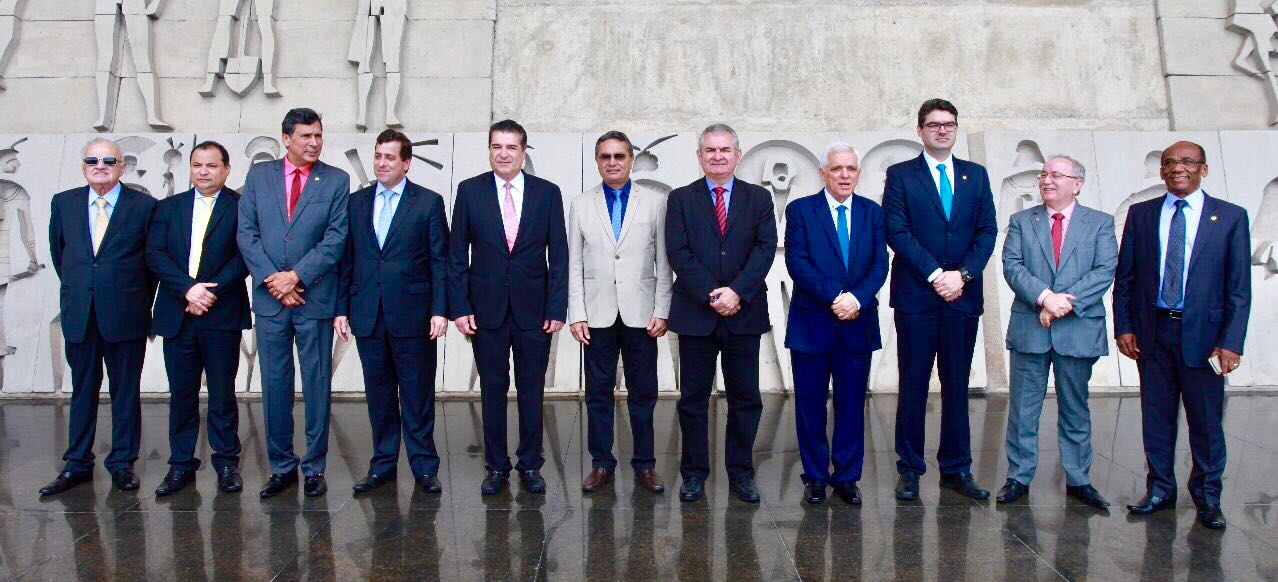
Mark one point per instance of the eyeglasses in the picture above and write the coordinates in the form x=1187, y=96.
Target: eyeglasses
x=107, y=161
x=617, y=157
x=1187, y=163
x=1055, y=175
x=935, y=126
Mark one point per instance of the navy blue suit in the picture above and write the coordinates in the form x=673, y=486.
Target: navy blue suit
x=704, y=260
x=929, y=329
x=105, y=309
x=390, y=292
x=1174, y=347
x=510, y=293
x=823, y=346
x=207, y=344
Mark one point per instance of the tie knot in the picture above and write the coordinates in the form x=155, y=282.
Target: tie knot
x=940, y=168
x=1180, y=204
x=1058, y=217
x=508, y=187
x=842, y=209
x=719, y=190
x=101, y=201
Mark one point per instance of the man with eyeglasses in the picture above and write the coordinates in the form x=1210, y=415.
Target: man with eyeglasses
x=1059, y=260
x=97, y=240
x=1182, y=295
x=618, y=301
x=940, y=222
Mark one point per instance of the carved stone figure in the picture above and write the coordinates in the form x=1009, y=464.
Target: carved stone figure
x=388, y=17
x=1265, y=230
x=15, y=204
x=1259, y=29
x=113, y=22
x=8, y=34
x=241, y=70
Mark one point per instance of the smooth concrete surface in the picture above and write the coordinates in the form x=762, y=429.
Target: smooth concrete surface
x=620, y=533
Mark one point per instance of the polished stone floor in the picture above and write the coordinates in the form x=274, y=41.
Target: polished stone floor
x=93, y=532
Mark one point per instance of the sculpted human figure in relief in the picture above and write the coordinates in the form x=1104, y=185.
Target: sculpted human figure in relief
x=1256, y=55
x=115, y=21
x=389, y=16
x=241, y=69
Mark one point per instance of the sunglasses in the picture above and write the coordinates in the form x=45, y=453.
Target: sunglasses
x=107, y=161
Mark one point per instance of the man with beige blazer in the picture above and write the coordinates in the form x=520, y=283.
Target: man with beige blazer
x=619, y=285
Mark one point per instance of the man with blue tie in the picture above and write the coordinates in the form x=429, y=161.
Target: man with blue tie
x=393, y=298
x=833, y=328
x=1182, y=295
x=940, y=222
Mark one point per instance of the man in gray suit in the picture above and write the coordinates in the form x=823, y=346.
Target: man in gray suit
x=1059, y=259
x=292, y=233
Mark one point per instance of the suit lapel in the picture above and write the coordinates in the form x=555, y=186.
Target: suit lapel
x=489, y=205
x=961, y=204
x=275, y=187
x=821, y=215
x=634, y=206
x=1042, y=226
x=405, y=204
x=856, y=223
x=221, y=208
x=598, y=201
x=123, y=205
x=318, y=175
x=186, y=211
x=80, y=217
x=927, y=185
x=707, y=206
x=525, y=208
x=734, y=205
x=1080, y=221
x=1205, y=227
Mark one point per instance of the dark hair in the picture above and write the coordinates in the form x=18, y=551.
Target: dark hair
x=301, y=115
x=618, y=136
x=509, y=126
x=212, y=145
x=405, y=144
x=936, y=105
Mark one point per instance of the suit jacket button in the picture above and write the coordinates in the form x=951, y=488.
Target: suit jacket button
x=95, y=265
x=617, y=257
x=723, y=253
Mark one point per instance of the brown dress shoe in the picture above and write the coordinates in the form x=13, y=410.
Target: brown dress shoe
x=650, y=480
x=597, y=478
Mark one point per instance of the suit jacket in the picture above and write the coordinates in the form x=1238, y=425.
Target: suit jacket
x=815, y=263
x=704, y=261
x=115, y=281
x=486, y=279
x=168, y=253
x=924, y=241
x=408, y=276
x=1089, y=254
x=1218, y=289
x=608, y=277
x=311, y=244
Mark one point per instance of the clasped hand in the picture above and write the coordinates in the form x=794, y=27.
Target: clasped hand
x=949, y=285
x=725, y=301
x=284, y=287
x=1055, y=306
x=845, y=307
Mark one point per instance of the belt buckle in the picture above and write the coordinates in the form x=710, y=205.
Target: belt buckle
x=1175, y=314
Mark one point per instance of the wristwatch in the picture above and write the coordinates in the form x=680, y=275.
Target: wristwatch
x=966, y=274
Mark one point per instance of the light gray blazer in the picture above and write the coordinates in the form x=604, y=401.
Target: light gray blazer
x=311, y=244
x=1089, y=255
x=606, y=277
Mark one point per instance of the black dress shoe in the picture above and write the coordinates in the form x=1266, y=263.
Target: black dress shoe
x=532, y=481
x=1210, y=516
x=372, y=482
x=176, y=480
x=692, y=489
x=965, y=484
x=848, y=492
x=125, y=480
x=1011, y=491
x=429, y=483
x=229, y=481
x=814, y=492
x=493, y=483
x=64, y=481
x=1087, y=494
x=907, y=487
x=277, y=484
x=743, y=487
x=315, y=485
x=1151, y=503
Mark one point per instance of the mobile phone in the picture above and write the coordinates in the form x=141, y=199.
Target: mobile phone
x=1214, y=361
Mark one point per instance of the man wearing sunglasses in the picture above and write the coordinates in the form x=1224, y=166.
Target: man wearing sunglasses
x=97, y=239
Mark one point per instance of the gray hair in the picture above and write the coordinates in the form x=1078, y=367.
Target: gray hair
x=1079, y=171
x=97, y=140
x=719, y=128
x=839, y=147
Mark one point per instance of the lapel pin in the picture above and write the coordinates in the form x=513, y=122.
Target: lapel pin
x=1213, y=217
x=964, y=176
x=317, y=178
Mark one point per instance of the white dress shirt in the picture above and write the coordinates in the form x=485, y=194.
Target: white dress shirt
x=1193, y=213
x=516, y=192
x=396, y=193
x=834, y=216
x=936, y=179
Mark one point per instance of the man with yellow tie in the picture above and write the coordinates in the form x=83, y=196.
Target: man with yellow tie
x=201, y=310
x=97, y=240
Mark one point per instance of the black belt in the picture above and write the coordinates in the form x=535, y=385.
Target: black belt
x=1171, y=313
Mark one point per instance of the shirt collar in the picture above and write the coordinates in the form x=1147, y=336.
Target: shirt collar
x=289, y=167
x=726, y=185
x=1195, y=200
x=398, y=189
x=516, y=183
x=833, y=204
x=1068, y=211
x=932, y=162
x=608, y=190
x=197, y=194
x=111, y=196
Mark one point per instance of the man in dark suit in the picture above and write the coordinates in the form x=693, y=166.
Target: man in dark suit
x=292, y=233
x=97, y=239
x=721, y=238
x=940, y=222
x=837, y=257
x=508, y=276
x=1182, y=295
x=394, y=299
x=201, y=312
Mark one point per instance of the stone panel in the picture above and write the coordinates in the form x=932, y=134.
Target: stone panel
x=1198, y=46
x=1206, y=103
x=1193, y=8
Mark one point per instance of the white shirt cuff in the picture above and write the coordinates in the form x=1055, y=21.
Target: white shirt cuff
x=934, y=275
x=1042, y=297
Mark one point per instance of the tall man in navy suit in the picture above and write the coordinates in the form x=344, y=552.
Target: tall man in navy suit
x=394, y=300
x=940, y=222
x=837, y=257
x=201, y=312
x=508, y=277
x=721, y=239
x=1182, y=295
x=97, y=239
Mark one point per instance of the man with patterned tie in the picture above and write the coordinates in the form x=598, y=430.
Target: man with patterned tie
x=941, y=224
x=97, y=240
x=1182, y=295
x=721, y=239
x=394, y=300
x=508, y=277
x=618, y=302
x=201, y=312
x=1059, y=260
